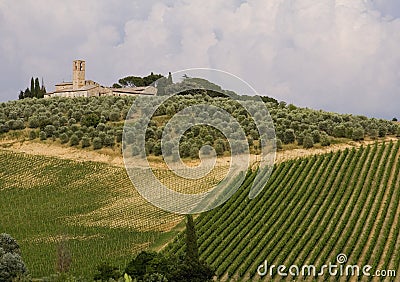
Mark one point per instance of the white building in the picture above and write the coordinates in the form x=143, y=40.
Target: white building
x=79, y=87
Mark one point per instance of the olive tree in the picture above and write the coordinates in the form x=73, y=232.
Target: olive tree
x=11, y=263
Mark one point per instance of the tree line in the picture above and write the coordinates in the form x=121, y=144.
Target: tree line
x=35, y=91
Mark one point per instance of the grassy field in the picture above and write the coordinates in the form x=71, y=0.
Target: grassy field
x=311, y=210
x=92, y=207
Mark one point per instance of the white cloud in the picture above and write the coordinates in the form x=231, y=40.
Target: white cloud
x=338, y=55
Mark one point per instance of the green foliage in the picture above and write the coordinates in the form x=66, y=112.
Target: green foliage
x=151, y=266
x=308, y=142
x=49, y=130
x=74, y=140
x=358, y=134
x=154, y=277
x=289, y=136
x=81, y=115
x=109, y=140
x=114, y=116
x=33, y=219
x=192, y=251
x=136, y=81
x=35, y=90
x=85, y=141
x=11, y=264
x=310, y=210
x=325, y=139
x=42, y=135
x=89, y=120
x=278, y=144
x=105, y=272
x=97, y=143
x=64, y=138
x=8, y=244
x=316, y=136
x=382, y=130
x=32, y=134
x=147, y=263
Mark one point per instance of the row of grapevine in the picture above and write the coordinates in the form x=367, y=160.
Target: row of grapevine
x=310, y=211
x=46, y=200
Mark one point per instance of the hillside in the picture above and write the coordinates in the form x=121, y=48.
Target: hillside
x=62, y=181
x=312, y=210
x=91, y=206
x=97, y=122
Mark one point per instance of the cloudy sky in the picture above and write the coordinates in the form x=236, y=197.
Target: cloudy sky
x=337, y=55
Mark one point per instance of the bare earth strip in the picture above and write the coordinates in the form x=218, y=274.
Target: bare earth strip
x=113, y=157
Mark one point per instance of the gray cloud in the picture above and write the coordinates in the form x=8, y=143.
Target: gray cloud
x=337, y=55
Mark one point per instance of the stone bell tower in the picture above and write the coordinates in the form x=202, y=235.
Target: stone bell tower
x=78, y=74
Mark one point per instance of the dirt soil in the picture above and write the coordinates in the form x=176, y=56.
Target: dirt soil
x=111, y=157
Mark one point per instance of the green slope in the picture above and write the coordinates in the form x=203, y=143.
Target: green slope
x=92, y=206
x=311, y=210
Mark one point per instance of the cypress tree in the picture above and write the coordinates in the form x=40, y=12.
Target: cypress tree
x=192, y=251
x=37, y=88
x=42, y=90
x=32, y=90
x=27, y=93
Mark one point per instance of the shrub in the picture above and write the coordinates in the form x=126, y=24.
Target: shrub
x=71, y=121
x=74, y=140
x=32, y=135
x=85, y=141
x=97, y=143
x=358, y=134
x=42, y=135
x=8, y=244
x=11, y=264
x=288, y=136
x=316, y=136
x=79, y=133
x=278, y=144
x=157, y=149
x=64, y=138
x=114, y=116
x=4, y=128
x=105, y=272
x=90, y=120
x=49, y=129
x=74, y=127
x=373, y=133
x=325, y=140
x=101, y=127
x=118, y=135
x=300, y=138
x=109, y=140
x=382, y=131
x=308, y=142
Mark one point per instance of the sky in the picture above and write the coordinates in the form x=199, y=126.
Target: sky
x=335, y=55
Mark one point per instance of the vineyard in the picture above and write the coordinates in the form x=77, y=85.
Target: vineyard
x=91, y=207
x=311, y=210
